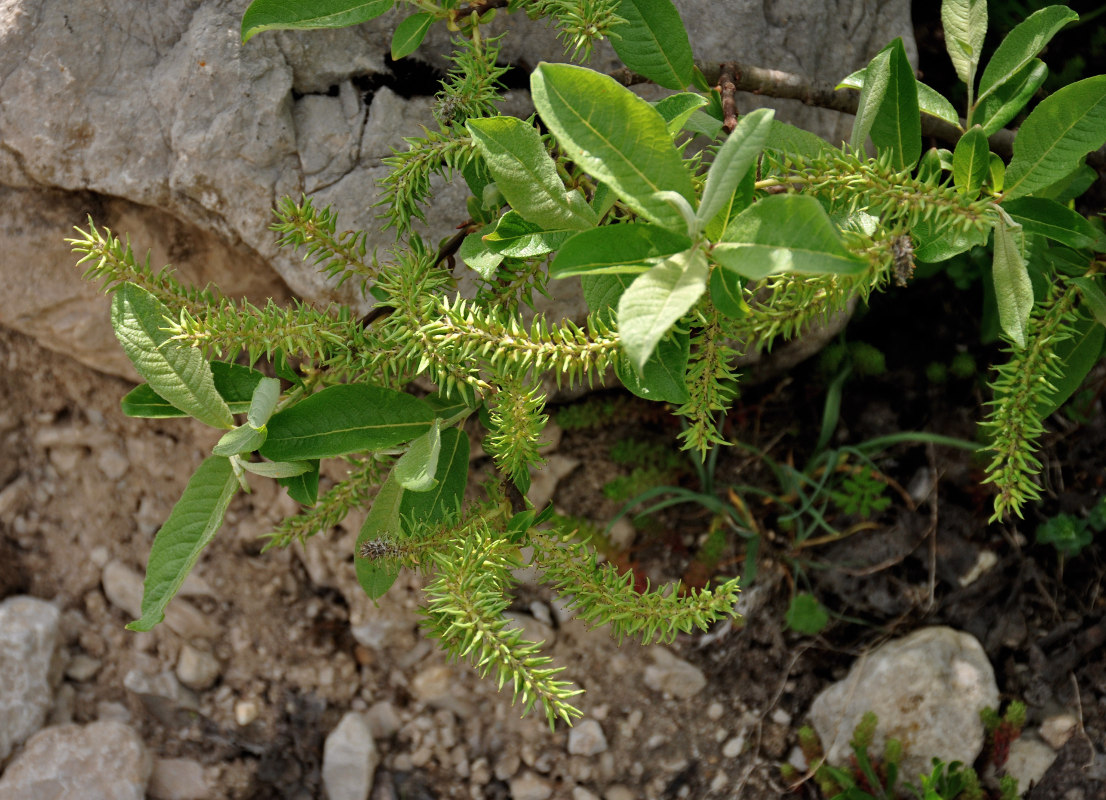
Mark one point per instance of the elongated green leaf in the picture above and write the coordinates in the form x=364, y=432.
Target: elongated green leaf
x=142, y=401
x=932, y=248
x=394, y=507
x=739, y=200
x=654, y=42
x=176, y=372
x=662, y=377
x=687, y=213
x=235, y=383
x=278, y=469
x=1013, y=289
x=965, y=26
x=478, y=256
x=678, y=108
x=971, y=162
x=448, y=409
x=263, y=402
x=1078, y=354
x=243, y=439
x=350, y=418
x=415, y=468
x=383, y=522
x=1071, y=186
x=303, y=488
x=516, y=237
x=267, y=15
x=451, y=477
x=786, y=138
x=1064, y=260
x=191, y=525
x=603, y=200
x=656, y=299
x=998, y=172
x=1065, y=127
x=527, y=176
x=1008, y=99
x=888, y=107
x=704, y=124
x=1042, y=217
x=725, y=293
x=877, y=77
x=1023, y=43
x=930, y=101
x=409, y=35
x=628, y=248
x=602, y=292
x=733, y=160
x=784, y=233
x=1093, y=297
x=615, y=136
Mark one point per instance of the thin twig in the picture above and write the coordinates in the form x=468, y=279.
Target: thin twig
x=727, y=87
x=1079, y=720
x=790, y=86
x=476, y=7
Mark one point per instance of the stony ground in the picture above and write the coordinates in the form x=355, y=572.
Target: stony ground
x=263, y=655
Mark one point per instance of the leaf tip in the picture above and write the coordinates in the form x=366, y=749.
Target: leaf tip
x=145, y=624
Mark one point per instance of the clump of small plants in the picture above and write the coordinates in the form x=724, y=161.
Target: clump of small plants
x=878, y=777
x=1070, y=533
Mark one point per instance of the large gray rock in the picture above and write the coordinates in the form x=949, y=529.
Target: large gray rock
x=100, y=761
x=189, y=137
x=28, y=638
x=44, y=296
x=927, y=690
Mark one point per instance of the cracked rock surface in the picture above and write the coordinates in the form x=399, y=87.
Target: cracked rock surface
x=159, y=123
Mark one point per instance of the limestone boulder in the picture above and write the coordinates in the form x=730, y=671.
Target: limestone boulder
x=927, y=690
x=159, y=122
x=99, y=761
x=28, y=641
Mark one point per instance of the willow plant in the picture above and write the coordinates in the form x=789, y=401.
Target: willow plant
x=687, y=254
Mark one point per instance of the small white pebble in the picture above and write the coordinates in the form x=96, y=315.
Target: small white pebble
x=733, y=748
x=245, y=712
x=99, y=555
x=1056, y=730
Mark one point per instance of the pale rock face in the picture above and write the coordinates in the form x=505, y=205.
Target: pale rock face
x=177, y=779
x=1029, y=760
x=28, y=638
x=161, y=111
x=100, y=761
x=927, y=690
x=350, y=759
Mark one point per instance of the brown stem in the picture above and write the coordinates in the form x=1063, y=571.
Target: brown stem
x=476, y=7
x=789, y=86
x=450, y=247
x=727, y=87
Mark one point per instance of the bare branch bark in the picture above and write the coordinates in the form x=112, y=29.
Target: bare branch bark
x=790, y=86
